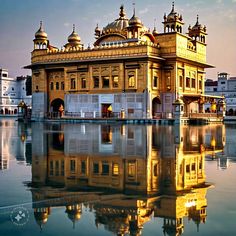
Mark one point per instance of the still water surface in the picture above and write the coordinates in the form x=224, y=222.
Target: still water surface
x=91, y=179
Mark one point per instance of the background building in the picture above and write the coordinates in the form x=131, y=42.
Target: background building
x=224, y=86
x=130, y=68
x=15, y=142
x=12, y=92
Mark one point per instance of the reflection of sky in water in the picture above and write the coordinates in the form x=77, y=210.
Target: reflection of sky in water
x=127, y=143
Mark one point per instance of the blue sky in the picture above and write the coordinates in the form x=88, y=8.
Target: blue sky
x=19, y=20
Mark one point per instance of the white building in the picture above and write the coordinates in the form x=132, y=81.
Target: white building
x=12, y=92
x=224, y=86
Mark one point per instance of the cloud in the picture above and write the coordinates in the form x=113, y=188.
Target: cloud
x=66, y=24
x=145, y=10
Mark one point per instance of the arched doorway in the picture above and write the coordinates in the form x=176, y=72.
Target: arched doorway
x=57, y=107
x=156, y=107
x=230, y=112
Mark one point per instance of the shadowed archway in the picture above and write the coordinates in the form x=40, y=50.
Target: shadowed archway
x=57, y=107
x=156, y=107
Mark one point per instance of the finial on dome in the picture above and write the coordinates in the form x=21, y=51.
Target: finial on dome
x=41, y=24
x=165, y=17
x=73, y=27
x=173, y=6
x=197, y=19
x=134, y=7
x=154, y=32
x=122, y=13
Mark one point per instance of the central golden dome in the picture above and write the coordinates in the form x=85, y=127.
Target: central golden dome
x=119, y=25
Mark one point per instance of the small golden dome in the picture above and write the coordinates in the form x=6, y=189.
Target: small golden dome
x=41, y=217
x=97, y=29
x=74, y=37
x=178, y=101
x=198, y=26
x=74, y=212
x=173, y=16
x=22, y=104
x=154, y=32
x=135, y=21
x=41, y=34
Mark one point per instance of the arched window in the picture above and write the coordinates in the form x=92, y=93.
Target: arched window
x=155, y=170
x=203, y=39
x=51, y=86
x=105, y=82
x=115, y=81
x=172, y=28
x=155, y=81
x=72, y=83
x=131, y=81
x=57, y=85
x=62, y=86
x=96, y=81
x=83, y=83
x=168, y=28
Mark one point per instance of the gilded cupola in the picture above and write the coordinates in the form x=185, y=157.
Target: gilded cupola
x=41, y=38
x=74, y=40
x=198, y=32
x=41, y=34
x=173, y=22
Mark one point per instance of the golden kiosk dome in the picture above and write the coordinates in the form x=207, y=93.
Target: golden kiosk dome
x=74, y=37
x=135, y=21
x=173, y=15
x=41, y=216
x=41, y=34
x=74, y=41
x=74, y=213
x=198, y=26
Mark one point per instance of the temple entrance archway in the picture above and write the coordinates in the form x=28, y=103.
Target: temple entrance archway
x=57, y=106
x=106, y=110
x=156, y=107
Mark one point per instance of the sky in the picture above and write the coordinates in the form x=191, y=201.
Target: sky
x=19, y=20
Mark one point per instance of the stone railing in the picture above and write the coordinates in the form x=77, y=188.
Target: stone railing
x=106, y=51
x=202, y=115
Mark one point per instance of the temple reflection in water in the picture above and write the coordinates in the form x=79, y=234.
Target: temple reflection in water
x=126, y=174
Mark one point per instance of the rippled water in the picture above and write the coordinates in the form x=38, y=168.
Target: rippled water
x=91, y=179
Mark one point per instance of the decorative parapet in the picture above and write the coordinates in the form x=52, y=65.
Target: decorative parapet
x=109, y=50
x=190, y=51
